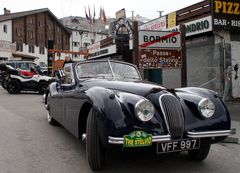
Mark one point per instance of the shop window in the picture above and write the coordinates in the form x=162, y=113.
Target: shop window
x=234, y=36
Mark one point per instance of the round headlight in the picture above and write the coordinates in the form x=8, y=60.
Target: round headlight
x=206, y=108
x=144, y=110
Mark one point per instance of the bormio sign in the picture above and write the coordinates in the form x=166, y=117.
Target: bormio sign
x=159, y=39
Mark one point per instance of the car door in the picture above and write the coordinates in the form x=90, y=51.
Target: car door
x=58, y=96
x=56, y=104
x=70, y=104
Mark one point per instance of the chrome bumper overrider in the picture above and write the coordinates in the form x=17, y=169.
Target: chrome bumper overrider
x=162, y=138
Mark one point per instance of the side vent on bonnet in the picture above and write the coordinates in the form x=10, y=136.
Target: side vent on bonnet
x=173, y=115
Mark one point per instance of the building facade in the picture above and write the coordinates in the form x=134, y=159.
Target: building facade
x=25, y=35
x=81, y=39
x=212, y=40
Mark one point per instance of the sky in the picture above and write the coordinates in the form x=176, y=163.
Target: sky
x=63, y=8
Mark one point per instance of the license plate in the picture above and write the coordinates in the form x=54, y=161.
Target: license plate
x=178, y=145
x=137, y=139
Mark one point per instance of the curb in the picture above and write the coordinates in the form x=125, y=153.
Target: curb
x=231, y=140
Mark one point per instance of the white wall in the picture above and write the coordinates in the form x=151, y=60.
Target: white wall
x=82, y=39
x=6, y=36
x=40, y=57
x=6, y=46
x=235, y=50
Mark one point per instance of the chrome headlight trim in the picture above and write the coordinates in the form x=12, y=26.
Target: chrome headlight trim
x=144, y=110
x=206, y=108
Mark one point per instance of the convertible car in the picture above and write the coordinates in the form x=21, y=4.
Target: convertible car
x=108, y=105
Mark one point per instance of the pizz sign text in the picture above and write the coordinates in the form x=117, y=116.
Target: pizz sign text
x=226, y=14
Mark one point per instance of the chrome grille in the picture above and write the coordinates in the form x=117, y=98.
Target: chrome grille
x=173, y=115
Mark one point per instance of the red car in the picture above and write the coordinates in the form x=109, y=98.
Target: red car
x=27, y=72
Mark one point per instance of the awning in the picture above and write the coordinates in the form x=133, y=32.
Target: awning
x=24, y=56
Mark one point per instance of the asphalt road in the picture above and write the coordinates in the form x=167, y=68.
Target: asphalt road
x=28, y=144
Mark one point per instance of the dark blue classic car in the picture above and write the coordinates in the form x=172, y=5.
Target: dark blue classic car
x=108, y=105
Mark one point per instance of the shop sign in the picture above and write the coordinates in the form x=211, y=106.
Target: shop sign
x=196, y=27
x=199, y=26
x=160, y=58
x=226, y=14
x=6, y=46
x=172, y=19
x=103, y=52
x=121, y=14
x=106, y=42
x=157, y=24
x=159, y=39
x=94, y=47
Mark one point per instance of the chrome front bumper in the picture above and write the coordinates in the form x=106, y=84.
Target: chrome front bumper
x=207, y=134
x=162, y=138
x=116, y=140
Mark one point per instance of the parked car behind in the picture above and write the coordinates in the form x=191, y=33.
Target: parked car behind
x=26, y=67
x=23, y=65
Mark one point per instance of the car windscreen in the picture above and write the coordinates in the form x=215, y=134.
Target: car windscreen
x=94, y=70
x=26, y=65
x=107, y=70
x=124, y=71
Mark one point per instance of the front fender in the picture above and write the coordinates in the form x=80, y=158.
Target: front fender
x=52, y=88
x=189, y=99
x=115, y=114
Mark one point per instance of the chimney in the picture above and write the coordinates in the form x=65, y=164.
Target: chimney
x=6, y=11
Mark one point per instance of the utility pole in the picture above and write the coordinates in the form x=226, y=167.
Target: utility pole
x=184, y=56
x=160, y=13
x=132, y=15
x=135, y=56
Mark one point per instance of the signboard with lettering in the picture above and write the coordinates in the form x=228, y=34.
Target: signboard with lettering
x=199, y=26
x=94, y=47
x=157, y=24
x=172, y=19
x=121, y=14
x=226, y=14
x=159, y=39
x=196, y=27
x=103, y=52
x=6, y=46
x=160, y=58
x=106, y=42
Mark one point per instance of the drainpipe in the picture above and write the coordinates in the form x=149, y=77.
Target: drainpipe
x=224, y=61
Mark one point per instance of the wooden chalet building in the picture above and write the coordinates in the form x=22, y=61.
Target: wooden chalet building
x=26, y=35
